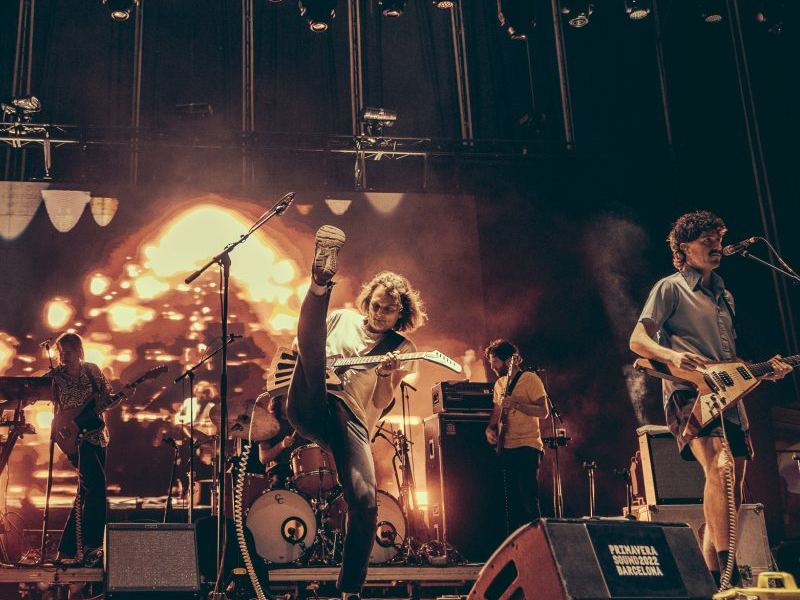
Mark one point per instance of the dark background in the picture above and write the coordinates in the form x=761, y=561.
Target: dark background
x=569, y=239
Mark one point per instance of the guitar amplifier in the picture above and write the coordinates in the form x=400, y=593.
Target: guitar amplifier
x=462, y=397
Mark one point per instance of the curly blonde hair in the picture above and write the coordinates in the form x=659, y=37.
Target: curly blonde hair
x=412, y=312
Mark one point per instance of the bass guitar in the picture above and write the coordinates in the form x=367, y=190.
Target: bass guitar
x=502, y=422
x=719, y=385
x=71, y=426
x=283, y=363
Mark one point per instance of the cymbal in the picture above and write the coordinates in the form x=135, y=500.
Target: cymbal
x=265, y=425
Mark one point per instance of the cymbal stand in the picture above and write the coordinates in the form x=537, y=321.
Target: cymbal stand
x=558, y=440
x=49, y=486
x=168, y=504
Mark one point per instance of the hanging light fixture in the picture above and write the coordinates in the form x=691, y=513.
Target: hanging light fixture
x=120, y=10
x=577, y=13
x=318, y=13
x=444, y=4
x=64, y=207
x=392, y=8
x=638, y=9
x=711, y=11
x=518, y=17
x=19, y=201
x=103, y=209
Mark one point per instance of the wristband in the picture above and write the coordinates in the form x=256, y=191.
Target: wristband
x=378, y=373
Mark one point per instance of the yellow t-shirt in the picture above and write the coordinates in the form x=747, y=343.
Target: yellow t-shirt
x=522, y=429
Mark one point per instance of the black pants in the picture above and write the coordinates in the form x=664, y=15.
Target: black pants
x=90, y=462
x=326, y=420
x=521, y=474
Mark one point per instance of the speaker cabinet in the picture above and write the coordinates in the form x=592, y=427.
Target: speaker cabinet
x=665, y=476
x=466, y=502
x=753, y=554
x=591, y=559
x=151, y=560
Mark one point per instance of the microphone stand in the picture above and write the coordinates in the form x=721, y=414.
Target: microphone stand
x=557, y=440
x=224, y=260
x=791, y=275
x=189, y=374
x=49, y=486
x=168, y=504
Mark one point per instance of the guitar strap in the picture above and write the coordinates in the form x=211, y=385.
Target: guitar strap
x=513, y=383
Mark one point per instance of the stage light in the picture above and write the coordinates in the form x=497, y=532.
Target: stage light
x=29, y=104
x=120, y=10
x=770, y=15
x=375, y=119
x=444, y=4
x=577, y=13
x=392, y=8
x=638, y=9
x=711, y=11
x=518, y=17
x=318, y=13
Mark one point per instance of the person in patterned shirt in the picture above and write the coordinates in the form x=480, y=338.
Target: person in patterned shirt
x=75, y=383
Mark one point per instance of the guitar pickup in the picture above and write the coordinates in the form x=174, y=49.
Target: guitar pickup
x=710, y=383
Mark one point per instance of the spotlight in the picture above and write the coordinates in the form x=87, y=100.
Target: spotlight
x=120, y=10
x=29, y=104
x=318, y=13
x=770, y=15
x=444, y=4
x=21, y=108
x=392, y=8
x=517, y=16
x=637, y=9
x=710, y=10
x=375, y=119
x=577, y=12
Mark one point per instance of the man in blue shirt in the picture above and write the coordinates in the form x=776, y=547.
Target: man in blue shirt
x=688, y=322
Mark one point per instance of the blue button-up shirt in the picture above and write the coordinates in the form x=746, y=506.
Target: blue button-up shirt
x=692, y=318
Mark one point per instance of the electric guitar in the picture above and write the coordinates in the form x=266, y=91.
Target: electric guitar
x=283, y=363
x=502, y=422
x=719, y=385
x=72, y=425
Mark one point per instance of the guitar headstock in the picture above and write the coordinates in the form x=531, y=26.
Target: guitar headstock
x=443, y=360
x=149, y=374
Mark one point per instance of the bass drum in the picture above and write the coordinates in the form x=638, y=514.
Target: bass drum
x=283, y=526
x=390, y=532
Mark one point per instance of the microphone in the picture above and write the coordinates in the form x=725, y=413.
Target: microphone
x=738, y=247
x=284, y=203
x=408, y=385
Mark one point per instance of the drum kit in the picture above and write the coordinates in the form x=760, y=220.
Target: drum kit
x=301, y=520
x=296, y=515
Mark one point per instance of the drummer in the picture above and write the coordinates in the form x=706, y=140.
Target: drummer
x=275, y=453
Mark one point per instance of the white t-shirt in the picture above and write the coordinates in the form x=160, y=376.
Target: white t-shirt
x=348, y=336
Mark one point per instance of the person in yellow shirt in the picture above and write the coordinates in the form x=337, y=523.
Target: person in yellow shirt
x=520, y=401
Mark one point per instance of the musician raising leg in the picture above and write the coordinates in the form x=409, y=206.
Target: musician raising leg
x=521, y=396
x=688, y=321
x=343, y=420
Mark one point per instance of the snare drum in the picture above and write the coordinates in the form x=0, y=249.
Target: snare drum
x=390, y=532
x=314, y=470
x=283, y=526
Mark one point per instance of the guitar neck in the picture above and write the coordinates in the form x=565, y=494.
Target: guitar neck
x=374, y=359
x=765, y=368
